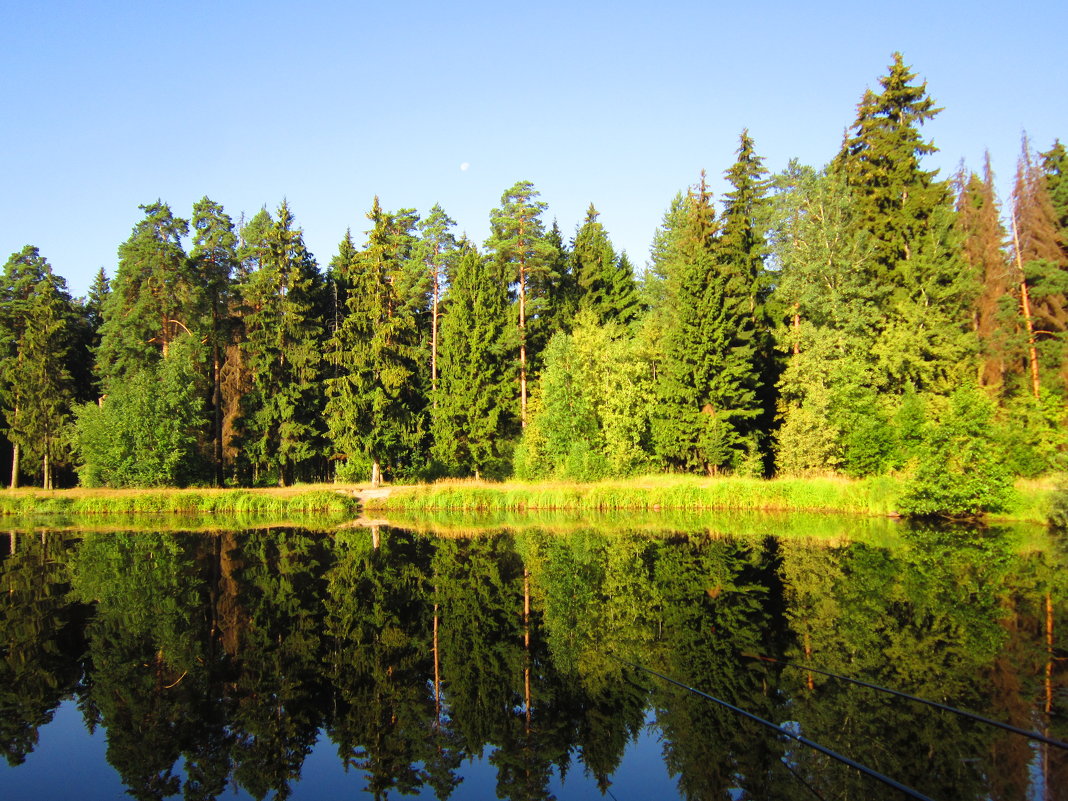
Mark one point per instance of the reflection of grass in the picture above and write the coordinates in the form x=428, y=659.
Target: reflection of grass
x=826, y=529
x=256, y=503
x=871, y=496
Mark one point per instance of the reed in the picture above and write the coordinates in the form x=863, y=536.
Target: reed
x=870, y=496
x=176, y=502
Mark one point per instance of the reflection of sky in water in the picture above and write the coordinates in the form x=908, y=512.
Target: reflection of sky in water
x=68, y=762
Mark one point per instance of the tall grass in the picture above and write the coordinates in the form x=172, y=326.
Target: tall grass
x=183, y=502
x=870, y=496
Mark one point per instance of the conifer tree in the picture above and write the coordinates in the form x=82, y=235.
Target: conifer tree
x=374, y=408
x=214, y=260
x=471, y=417
x=707, y=390
x=436, y=250
x=1042, y=270
x=978, y=220
x=36, y=320
x=926, y=332
x=282, y=345
x=881, y=163
x=604, y=281
x=151, y=295
x=523, y=257
x=742, y=249
x=1055, y=167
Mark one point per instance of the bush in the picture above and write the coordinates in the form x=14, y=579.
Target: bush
x=960, y=471
x=144, y=432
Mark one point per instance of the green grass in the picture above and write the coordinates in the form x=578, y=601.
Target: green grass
x=871, y=496
x=176, y=502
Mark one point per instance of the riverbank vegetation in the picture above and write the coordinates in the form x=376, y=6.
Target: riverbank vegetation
x=866, y=319
x=885, y=496
x=232, y=503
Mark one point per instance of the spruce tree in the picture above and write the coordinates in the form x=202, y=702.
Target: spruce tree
x=1055, y=167
x=979, y=221
x=741, y=252
x=926, y=332
x=374, y=408
x=604, y=281
x=213, y=261
x=707, y=389
x=881, y=163
x=283, y=337
x=523, y=257
x=471, y=417
x=36, y=322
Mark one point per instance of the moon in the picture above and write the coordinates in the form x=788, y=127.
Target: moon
x=464, y=167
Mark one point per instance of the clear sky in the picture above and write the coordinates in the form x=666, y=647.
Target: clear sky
x=107, y=106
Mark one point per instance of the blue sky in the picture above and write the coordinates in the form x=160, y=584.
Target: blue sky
x=109, y=106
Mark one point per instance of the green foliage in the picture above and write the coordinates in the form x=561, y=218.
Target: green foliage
x=706, y=388
x=472, y=416
x=283, y=338
x=375, y=404
x=960, y=471
x=605, y=283
x=143, y=433
x=590, y=415
x=36, y=332
x=151, y=296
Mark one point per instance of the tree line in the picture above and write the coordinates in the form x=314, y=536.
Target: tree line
x=863, y=318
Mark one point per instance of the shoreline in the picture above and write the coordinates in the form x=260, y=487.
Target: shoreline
x=867, y=497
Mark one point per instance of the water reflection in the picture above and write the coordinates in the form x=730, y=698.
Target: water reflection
x=215, y=661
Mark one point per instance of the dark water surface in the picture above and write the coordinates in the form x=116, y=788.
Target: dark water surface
x=465, y=659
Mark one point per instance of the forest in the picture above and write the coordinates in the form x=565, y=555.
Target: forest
x=864, y=318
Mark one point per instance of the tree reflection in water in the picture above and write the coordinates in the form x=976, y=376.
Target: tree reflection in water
x=217, y=661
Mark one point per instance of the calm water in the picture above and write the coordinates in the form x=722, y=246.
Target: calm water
x=465, y=659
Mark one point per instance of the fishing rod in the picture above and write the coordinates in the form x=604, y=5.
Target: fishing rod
x=874, y=774
x=1034, y=735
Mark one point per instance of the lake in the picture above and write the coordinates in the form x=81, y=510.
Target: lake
x=534, y=657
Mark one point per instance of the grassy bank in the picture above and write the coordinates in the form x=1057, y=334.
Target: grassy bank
x=872, y=496
x=276, y=503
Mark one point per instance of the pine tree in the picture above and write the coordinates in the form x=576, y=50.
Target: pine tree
x=471, y=417
x=36, y=322
x=374, y=408
x=523, y=257
x=707, y=388
x=151, y=294
x=282, y=346
x=436, y=250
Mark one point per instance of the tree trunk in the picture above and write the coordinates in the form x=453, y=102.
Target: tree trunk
x=216, y=402
x=376, y=473
x=526, y=645
x=15, y=462
x=1025, y=303
x=46, y=478
x=434, y=334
